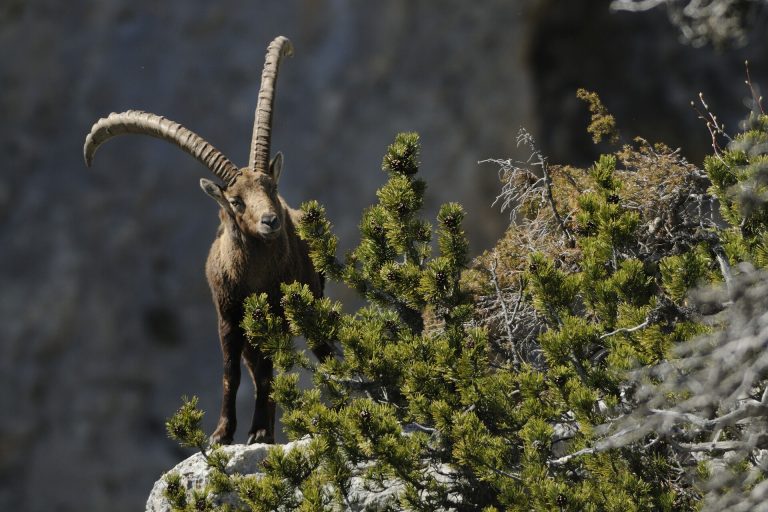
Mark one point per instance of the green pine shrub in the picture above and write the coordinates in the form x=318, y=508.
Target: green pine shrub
x=496, y=385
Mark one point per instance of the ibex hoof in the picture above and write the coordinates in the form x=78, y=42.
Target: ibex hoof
x=218, y=438
x=260, y=436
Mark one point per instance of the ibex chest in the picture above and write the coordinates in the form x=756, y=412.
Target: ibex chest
x=235, y=269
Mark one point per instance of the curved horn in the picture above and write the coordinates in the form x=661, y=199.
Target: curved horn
x=262, y=125
x=135, y=121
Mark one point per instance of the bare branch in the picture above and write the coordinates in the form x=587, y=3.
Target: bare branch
x=522, y=186
x=724, y=446
x=566, y=458
x=627, y=329
x=635, y=5
x=507, y=319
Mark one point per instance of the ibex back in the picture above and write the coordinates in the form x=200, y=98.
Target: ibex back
x=256, y=247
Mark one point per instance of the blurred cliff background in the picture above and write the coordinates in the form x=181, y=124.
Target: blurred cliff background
x=105, y=316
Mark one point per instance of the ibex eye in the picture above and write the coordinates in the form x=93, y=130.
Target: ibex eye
x=235, y=202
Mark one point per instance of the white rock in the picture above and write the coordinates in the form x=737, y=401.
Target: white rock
x=246, y=460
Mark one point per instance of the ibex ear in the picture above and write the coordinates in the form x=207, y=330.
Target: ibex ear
x=214, y=190
x=276, y=166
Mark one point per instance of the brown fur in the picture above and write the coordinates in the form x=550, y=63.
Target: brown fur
x=245, y=260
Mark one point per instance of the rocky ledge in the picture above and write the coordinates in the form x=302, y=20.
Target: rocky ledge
x=246, y=460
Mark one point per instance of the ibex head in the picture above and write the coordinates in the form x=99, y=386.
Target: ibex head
x=251, y=200
x=249, y=194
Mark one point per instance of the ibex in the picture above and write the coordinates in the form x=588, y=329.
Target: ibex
x=256, y=246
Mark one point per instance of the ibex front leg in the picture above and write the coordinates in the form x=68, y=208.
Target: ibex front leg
x=231, y=348
x=261, y=369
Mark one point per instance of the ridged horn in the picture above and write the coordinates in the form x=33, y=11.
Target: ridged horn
x=262, y=125
x=144, y=123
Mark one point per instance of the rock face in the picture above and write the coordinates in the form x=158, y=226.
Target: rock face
x=246, y=460
x=105, y=318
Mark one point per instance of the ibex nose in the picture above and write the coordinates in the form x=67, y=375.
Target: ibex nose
x=270, y=220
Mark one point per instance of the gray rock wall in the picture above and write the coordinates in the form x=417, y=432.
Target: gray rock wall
x=105, y=318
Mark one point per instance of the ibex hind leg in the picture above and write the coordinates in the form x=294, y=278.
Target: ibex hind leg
x=263, y=424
